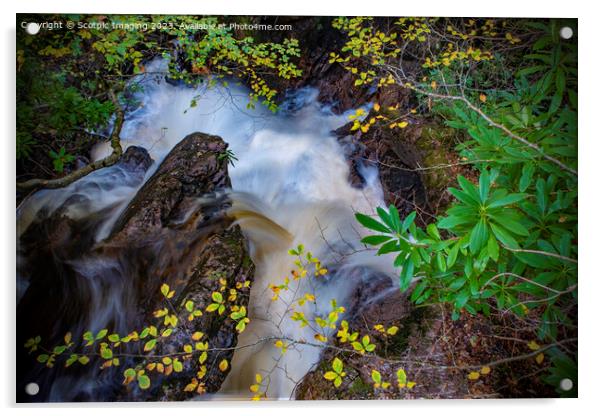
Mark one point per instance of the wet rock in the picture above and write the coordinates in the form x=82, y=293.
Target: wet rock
x=392, y=152
x=49, y=297
x=175, y=231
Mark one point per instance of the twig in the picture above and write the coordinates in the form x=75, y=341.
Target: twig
x=543, y=253
x=80, y=173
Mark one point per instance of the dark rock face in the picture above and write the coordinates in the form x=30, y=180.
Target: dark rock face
x=396, y=160
x=52, y=302
x=175, y=231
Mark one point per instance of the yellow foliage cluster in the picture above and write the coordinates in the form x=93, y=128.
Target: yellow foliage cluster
x=453, y=54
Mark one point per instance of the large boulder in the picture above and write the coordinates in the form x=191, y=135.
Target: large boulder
x=176, y=232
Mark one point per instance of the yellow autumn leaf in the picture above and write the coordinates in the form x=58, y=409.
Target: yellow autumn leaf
x=164, y=289
x=485, y=370
x=533, y=345
x=539, y=358
x=473, y=375
x=223, y=365
x=434, y=84
x=330, y=375
x=402, y=124
x=392, y=330
x=376, y=107
x=483, y=97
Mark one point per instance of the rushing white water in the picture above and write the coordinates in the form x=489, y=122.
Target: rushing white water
x=292, y=171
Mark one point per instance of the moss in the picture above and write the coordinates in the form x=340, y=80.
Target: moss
x=360, y=388
x=435, y=144
x=246, y=261
x=412, y=324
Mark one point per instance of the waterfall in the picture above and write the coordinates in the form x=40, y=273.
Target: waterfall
x=290, y=186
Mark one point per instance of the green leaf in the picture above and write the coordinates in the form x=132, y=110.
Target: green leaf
x=106, y=353
x=457, y=283
x=507, y=200
x=337, y=365
x=401, y=376
x=464, y=197
x=462, y=298
x=408, y=220
x=389, y=247
x=541, y=196
x=484, y=186
x=432, y=230
x=72, y=359
x=143, y=382
x=150, y=344
x=59, y=349
x=441, y=262
x=375, y=240
x=394, y=214
x=376, y=377
x=406, y=274
x=101, y=334
x=493, y=248
x=513, y=226
x=504, y=237
x=217, y=297
x=526, y=176
x=384, y=216
x=453, y=255
x=371, y=223
x=455, y=220
x=469, y=189
x=478, y=236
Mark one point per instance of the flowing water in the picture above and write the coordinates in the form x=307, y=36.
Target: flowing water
x=290, y=186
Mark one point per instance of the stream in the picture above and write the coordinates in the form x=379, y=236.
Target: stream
x=291, y=174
